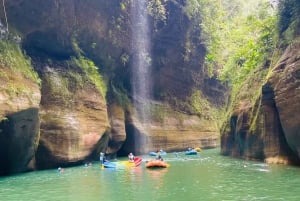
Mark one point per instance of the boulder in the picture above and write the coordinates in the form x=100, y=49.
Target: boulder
x=19, y=120
x=73, y=119
x=285, y=82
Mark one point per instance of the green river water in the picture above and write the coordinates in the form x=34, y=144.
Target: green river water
x=208, y=176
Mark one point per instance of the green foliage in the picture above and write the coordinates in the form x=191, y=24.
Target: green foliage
x=289, y=20
x=158, y=113
x=12, y=57
x=123, y=6
x=240, y=37
x=76, y=79
x=199, y=103
x=289, y=12
x=209, y=63
x=204, y=108
x=157, y=9
x=59, y=86
x=250, y=42
x=120, y=96
x=75, y=45
x=207, y=14
x=91, y=72
x=15, y=89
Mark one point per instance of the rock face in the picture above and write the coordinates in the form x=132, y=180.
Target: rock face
x=269, y=129
x=237, y=139
x=285, y=82
x=117, y=134
x=19, y=120
x=173, y=132
x=76, y=120
x=73, y=119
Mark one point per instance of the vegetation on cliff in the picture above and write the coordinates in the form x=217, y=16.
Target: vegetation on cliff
x=12, y=57
x=289, y=21
x=254, y=127
x=91, y=72
x=18, y=80
x=241, y=40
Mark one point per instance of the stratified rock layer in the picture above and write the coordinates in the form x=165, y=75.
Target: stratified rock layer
x=19, y=120
x=285, y=82
x=270, y=127
x=173, y=132
x=76, y=123
x=73, y=120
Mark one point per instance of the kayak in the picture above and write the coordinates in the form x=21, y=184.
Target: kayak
x=108, y=164
x=156, y=164
x=191, y=152
x=162, y=153
x=137, y=161
x=121, y=164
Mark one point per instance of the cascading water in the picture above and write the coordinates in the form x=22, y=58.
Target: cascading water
x=141, y=69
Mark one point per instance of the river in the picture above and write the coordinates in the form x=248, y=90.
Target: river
x=208, y=176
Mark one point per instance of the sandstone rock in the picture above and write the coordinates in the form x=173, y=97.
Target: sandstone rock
x=117, y=134
x=73, y=120
x=237, y=139
x=174, y=132
x=275, y=144
x=278, y=160
x=272, y=128
x=19, y=120
x=285, y=82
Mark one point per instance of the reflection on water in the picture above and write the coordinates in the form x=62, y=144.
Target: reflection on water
x=156, y=178
x=157, y=173
x=205, y=177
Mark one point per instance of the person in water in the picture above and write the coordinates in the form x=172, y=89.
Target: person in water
x=131, y=157
x=60, y=170
x=159, y=157
x=102, y=158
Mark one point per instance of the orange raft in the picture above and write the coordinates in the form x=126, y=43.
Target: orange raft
x=156, y=164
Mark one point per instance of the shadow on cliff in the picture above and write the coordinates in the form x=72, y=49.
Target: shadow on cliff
x=19, y=134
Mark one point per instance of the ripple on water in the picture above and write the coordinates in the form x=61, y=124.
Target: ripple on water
x=205, y=177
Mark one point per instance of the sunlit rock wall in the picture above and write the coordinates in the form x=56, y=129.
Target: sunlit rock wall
x=19, y=120
x=73, y=119
x=171, y=132
x=77, y=122
x=285, y=83
x=270, y=127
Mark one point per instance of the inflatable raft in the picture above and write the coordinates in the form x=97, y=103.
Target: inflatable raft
x=191, y=152
x=162, y=153
x=156, y=164
x=108, y=164
x=121, y=164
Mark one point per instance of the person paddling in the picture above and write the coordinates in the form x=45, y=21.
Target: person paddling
x=159, y=156
x=131, y=157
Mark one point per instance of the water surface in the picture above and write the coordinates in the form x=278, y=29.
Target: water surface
x=205, y=177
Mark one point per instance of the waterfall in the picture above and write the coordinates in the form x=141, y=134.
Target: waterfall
x=141, y=80
x=141, y=64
